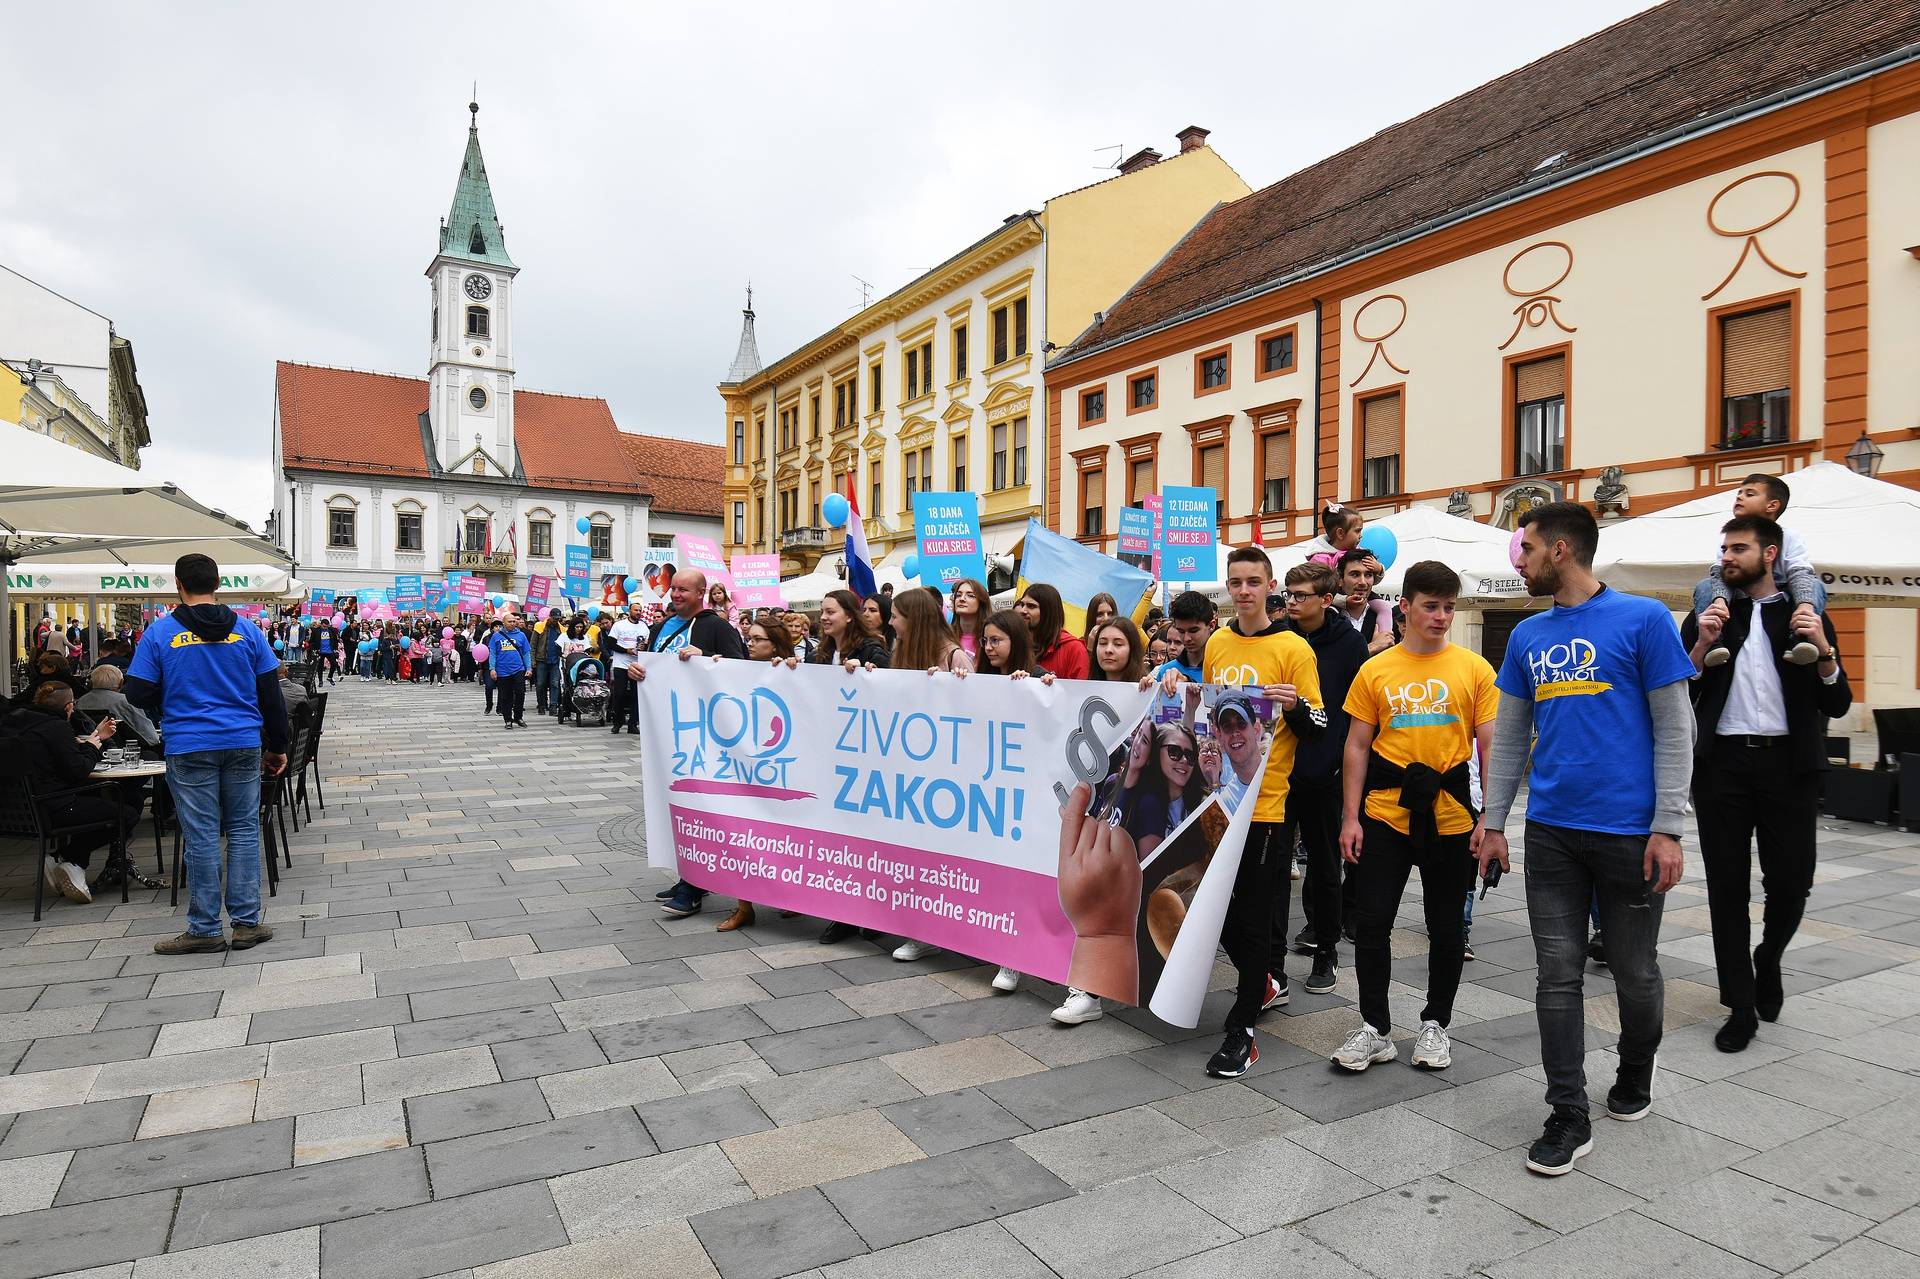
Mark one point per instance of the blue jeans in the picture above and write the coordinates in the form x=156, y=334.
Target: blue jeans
x=1566, y=871
x=215, y=793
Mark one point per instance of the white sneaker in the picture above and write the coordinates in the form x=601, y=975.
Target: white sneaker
x=1432, y=1049
x=908, y=951
x=1080, y=1007
x=1802, y=654
x=72, y=883
x=1006, y=980
x=1363, y=1048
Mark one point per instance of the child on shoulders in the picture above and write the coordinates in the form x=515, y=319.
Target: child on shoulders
x=1763, y=494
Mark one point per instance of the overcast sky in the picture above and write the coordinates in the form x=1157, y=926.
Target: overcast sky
x=238, y=183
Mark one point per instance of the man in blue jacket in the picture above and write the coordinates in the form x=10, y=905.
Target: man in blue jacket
x=510, y=657
x=215, y=682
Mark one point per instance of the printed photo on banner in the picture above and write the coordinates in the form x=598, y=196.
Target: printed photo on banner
x=657, y=567
x=946, y=528
x=1190, y=534
x=613, y=584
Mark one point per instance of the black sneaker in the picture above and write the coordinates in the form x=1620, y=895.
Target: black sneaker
x=666, y=892
x=1631, y=1096
x=1597, y=949
x=1237, y=1054
x=1321, y=979
x=1277, y=994
x=1567, y=1136
x=1466, y=950
x=683, y=903
x=1739, y=1031
x=1304, y=942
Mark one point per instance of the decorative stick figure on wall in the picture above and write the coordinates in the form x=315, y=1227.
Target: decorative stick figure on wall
x=1549, y=258
x=1389, y=304
x=1773, y=189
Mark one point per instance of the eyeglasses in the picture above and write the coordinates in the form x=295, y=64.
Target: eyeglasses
x=1178, y=753
x=1302, y=596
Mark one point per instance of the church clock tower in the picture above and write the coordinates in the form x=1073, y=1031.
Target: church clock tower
x=470, y=373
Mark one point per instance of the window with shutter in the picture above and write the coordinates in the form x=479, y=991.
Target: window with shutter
x=1139, y=480
x=1213, y=475
x=1381, y=421
x=1093, y=500
x=1540, y=416
x=1756, y=377
x=1276, y=471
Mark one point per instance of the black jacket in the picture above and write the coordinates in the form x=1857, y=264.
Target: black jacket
x=1338, y=651
x=1809, y=702
x=711, y=633
x=42, y=744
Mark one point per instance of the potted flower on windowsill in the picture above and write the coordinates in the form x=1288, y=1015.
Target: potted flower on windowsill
x=1745, y=434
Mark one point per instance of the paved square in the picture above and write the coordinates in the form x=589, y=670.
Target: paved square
x=475, y=1047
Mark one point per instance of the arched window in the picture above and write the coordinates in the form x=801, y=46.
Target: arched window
x=600, y=536
x=477, y=322
x=409, y=520
x=540, y=532
x=343, y=523
x=477, y=531
x=476, y=242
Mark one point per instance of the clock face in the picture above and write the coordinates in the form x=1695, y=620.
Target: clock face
x=479, y=288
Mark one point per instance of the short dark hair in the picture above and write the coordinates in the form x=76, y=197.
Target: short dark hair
x=1765, y=531
x=1318, y=575
x=1193, y=606
x=1567, y=522
x=1358, y=555
x=197, y=574
x=1777, y=490
x=1429, y=577
x=1249, y=555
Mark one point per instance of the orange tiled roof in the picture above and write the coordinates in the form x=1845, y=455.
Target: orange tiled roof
x=369, y=423
x=683, y=477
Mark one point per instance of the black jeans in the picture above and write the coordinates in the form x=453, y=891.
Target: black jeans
x=1255, y=932
x=624, y=706
x=1313, y=808
x=1446, y=871
x=542, y=686
x=510, y=691
x=1567, y=870
x=1743, y=792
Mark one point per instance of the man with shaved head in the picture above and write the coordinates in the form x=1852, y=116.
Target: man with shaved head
x=690, y=630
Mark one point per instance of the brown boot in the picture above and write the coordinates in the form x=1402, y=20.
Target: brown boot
x=189, y=944
x=742, y=917
x=245, y=935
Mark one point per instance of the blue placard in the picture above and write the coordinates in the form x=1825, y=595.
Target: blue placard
x=371, y=595
x=406, y=586
x=434, y=594
x=1190, y=536
x=946, y=528
x=1136, y=531
x=321, y=595
x=579, y=569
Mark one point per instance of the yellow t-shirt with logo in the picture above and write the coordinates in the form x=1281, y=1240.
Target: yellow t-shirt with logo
x=1425, y=709
x=1274, y=656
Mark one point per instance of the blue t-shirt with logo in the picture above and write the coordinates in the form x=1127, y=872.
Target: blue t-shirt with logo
x=1588, y=670
x=1167, y=708
x=209, y=700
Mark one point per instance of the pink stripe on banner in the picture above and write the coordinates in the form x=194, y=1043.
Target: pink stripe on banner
x=999, y=914
x=701, y=786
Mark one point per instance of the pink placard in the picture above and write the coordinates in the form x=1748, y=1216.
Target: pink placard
x=473, y=591
x=538, y=588
x=703, y=553
x=1152, y=502
x=756, y=582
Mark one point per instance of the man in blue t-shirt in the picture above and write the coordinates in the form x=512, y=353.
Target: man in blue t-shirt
x=215, y=684
x=1190, y=623
x=1603, y=678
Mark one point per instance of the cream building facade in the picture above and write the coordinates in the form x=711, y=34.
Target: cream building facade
x=69, y=376
x=1631, y=327
x=936, y=386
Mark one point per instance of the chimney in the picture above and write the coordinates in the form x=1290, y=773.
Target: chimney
x=1192, y=138
x=1139, y=160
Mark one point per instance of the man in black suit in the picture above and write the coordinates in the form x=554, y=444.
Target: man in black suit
x=1757, y=762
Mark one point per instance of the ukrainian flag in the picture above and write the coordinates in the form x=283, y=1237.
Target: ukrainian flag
x=1079, y=573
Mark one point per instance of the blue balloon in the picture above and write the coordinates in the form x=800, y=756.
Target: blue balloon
x=593, y=610
x=499, y=600
x=834, y=510
x=406, y=644
x=583, y=524
x=1381, y=543
x=631, y=585
x=911, y=566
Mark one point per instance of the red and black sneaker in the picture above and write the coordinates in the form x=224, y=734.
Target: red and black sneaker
x=1237, y=1054
x=1277, y=993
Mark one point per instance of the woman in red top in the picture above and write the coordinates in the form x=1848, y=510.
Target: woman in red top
x=1065, y=657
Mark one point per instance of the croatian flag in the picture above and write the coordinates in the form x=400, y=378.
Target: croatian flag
x=859, y=561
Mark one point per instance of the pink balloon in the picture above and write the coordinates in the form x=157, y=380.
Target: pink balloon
x=339, y=620
x=446, y=632
x=1513, y=548
x=479, y=652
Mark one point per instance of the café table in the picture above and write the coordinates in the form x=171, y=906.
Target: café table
x=135, y=770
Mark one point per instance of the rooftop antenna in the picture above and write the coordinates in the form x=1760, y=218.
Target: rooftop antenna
x=866, y=292
x=1119, y=150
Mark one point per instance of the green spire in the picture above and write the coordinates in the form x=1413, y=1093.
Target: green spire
x=472, y=229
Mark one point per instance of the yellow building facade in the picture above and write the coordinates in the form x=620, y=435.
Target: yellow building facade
x=936, y=386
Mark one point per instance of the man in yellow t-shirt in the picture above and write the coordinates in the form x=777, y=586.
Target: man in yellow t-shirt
x=1256, y=653
x=1418, y=711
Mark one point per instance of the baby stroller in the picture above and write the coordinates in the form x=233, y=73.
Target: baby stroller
x=583, y=691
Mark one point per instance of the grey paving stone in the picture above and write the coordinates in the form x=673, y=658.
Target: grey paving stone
x=72, y=994
x=165, y=1163
x=1070, y=1093
x=534, y=1151
x=1860, y=1259
x=54, y=1240
x=1107, y=1148
x=1118, y=1230
x=465, y=1111
x=431, y=977
x=462, y=1000
x=1397, y=1234
x=292, y=1198
x=1266, y=1184
x=678, y=1122
x=801, y=1012
x=803, y=979
x=613, y=981
x=473, y=1030
x=1867, y=1178
x=622, y=1198
x=1755, y=1219
x=157, y=1012
x=1325, y=1093
x=446, y=1235
x=984, y=1251
x=1564, y=1204
x=95, y=1123
x=56, y=973
x=776, y=1236
x=893, y=1205
x=1391, y=1147
x=944, y=1023
x=830, y=1090
x=1185, y=1061
x=799, y=1050
x=327, y=1019
x=1627, y=1245
x=60, y=1051
x=547, y=1054
x=953, y=1121
x=677, y=1032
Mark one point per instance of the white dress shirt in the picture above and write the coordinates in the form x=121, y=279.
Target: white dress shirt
x=1756, y=705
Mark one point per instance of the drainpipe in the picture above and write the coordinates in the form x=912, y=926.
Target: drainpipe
x=1317, y=357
